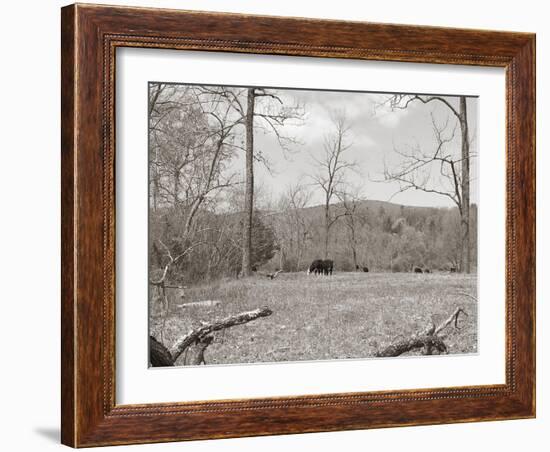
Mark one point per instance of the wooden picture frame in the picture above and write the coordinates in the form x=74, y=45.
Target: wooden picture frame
x=90, y=35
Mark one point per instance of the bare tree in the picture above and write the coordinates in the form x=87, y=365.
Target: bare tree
x=294, y=225
x=460, y=167
x=255, y=108
x=332, y=168
x=249, y=183
x=353, y=219
x=161, y=283
x=191, y=148
x=156, y=112
x=190, y=145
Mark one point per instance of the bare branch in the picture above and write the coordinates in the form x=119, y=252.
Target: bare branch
x=186, y=340
x=427, y=340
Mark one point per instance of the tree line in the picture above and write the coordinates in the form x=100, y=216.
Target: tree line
x=378, y=235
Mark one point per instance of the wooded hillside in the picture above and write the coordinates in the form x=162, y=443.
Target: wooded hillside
x=382, y=236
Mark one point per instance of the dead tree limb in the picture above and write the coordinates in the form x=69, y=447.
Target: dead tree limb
x=467, y=295
x=194, y=355
x=194, y=335
x=452, y=318
x=274, y=275
x=427, y=340
x=271, y=275
x=194, y=343
x=159, y=355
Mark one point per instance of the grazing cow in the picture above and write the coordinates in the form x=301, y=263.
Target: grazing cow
x=453, y=270
x=427, y=270
x=316, y=267
x=321, y=267
x=417, y=270
x=366, y=269
x=328, y=266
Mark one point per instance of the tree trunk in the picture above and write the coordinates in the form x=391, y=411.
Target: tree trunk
x=191, y=215
x=155, y=183
x=155, y=192
x=465, y=220
x=249, y=186
x=282, y=258
x=303, y=246
x=159, y=355
x=176, y=195
x=353, y=241
x=327, y=227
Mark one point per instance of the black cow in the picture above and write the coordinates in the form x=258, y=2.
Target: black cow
x=417, y=270
x=366, y=269
x=321, y=267
x=328, y=266
x=453, y=269
x=316, y=267
x=427, y=270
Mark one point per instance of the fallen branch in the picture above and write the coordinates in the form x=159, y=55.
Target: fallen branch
x=270, y=275
x=204, y=304
x=159, y=355
x=452, y=318
x=197, y=340
x=194, y=335
x=196, y=357
x=467, y=295
x=416, y=342
x=427, y=340
x=274, y=275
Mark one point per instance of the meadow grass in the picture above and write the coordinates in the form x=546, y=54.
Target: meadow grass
x=347, y=315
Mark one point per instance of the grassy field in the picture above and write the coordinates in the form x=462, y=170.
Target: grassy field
x=347, y=315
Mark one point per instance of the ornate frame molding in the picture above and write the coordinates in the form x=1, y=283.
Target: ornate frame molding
x=90, y=37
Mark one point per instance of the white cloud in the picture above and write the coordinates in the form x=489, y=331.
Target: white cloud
x=390, y=118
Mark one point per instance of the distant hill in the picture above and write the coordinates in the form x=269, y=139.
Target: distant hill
x=377, y=234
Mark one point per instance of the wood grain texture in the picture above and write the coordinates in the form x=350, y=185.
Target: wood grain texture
x=90, y=36
x=68, y=310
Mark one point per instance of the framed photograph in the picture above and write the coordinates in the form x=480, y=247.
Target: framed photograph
x=281, y=225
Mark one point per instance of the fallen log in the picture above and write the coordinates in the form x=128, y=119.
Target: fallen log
x=270, y=275
x=415, y=342
x=195, y=342
x=452, y=318
x=427, y=340
x=194, y=335
x=203, y=304
x=159, y=355
x=194, y=355
x=274, y=275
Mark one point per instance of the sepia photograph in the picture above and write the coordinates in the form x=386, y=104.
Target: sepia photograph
x=293, y=225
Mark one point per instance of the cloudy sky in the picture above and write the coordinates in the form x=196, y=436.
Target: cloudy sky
x=375, y=133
